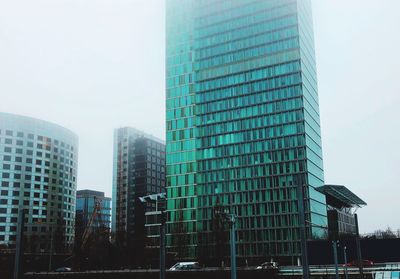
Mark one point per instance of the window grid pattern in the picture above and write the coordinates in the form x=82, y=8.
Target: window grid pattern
x=38, y=168
x=256, y=126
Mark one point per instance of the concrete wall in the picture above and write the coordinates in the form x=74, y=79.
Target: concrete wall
x=153, y=274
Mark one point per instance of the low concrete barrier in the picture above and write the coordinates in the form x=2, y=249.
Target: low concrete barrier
x=208, y=273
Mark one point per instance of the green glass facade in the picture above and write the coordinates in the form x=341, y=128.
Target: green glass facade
x=243, y=127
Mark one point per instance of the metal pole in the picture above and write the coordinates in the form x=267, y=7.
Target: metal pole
x=303, y=241
x=51, y=248
x=359, y=257
x=19, y=245
x=162, y=246
x=345, y=262
x=335, y=258
x=233, y=247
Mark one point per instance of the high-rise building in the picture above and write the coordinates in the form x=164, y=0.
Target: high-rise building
x=139, y=170
x=86, y=203
x=243, y=127
x=38, y=168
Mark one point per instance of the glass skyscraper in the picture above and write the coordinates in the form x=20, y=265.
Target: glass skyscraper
x=243, y=127
x=38, y=170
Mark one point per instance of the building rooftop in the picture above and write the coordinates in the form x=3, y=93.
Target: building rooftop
x=90, y=193
x=340, y=196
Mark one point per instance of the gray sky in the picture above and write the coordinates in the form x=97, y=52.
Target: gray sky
x=95, y=65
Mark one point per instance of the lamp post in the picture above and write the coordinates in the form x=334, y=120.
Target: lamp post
x=231, y=218
x=335, y=258
x=345, y=261
x=51, y=248
x=303, y=235
x=19, y=250
x=155, y=198
x=359, y=256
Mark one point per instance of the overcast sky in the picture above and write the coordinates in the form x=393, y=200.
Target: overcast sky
x=95, y=65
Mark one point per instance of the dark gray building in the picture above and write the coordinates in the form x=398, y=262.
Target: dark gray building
x=340, y=202
x=139, y=170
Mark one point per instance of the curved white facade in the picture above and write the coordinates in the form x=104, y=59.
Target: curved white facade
x=38, y=172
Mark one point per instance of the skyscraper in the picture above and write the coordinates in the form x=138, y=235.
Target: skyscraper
x=243, y=127
x=139, y=170
x=38, y=168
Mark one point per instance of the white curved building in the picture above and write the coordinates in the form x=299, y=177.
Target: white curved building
x=38, y=172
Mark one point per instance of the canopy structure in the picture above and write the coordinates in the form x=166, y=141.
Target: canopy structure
x=339, y=196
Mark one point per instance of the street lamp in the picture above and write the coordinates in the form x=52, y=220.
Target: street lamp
x=231, y=220
x=19, y=250
x=335, y=257
x=345, y=261
x=155, y=198
x=303, y=235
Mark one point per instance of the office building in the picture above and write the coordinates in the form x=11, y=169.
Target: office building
x=38, y=168
x=139, y=170
x=341, y=204
x=89, y=202
x=243, y=128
